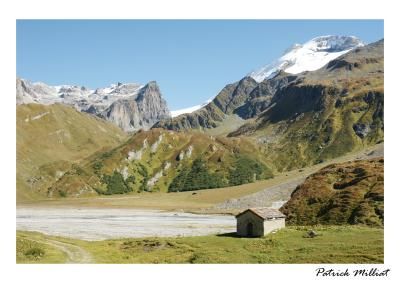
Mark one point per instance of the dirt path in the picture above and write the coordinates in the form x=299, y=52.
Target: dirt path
x=274, y=196
x=75, y=254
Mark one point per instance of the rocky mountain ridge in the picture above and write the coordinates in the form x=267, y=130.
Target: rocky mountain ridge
x=255, y=91
x=130, y=106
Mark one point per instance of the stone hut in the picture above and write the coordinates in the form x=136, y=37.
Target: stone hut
x=257, y=222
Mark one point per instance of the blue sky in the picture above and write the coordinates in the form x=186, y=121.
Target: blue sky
x=192, y=60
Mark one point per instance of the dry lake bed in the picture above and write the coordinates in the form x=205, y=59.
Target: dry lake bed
x=101, y=224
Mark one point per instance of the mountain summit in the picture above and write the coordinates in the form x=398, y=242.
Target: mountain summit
x=310, y=56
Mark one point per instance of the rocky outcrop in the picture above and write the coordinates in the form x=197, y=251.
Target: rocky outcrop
x=361, y=129
x=137, y=155
x=153, y=180
x=234, y=95
x=27, y=92
x=23, y=95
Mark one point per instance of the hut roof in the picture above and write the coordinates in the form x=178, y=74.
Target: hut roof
x=264, y=212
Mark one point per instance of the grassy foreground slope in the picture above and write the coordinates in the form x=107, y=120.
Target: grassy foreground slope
x=50, y=138
x=335, y=244
x=30, y=251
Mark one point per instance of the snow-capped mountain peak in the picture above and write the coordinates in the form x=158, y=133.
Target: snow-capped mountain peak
x=309, y=56
x=82, y=98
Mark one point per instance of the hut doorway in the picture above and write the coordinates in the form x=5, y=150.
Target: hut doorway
x=249, y=229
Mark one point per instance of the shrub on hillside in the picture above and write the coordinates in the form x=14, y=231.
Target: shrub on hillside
x=35, y=252
x=115, y=184
x=196, y=177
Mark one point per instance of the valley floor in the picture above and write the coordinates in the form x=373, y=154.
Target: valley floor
x=334, y=244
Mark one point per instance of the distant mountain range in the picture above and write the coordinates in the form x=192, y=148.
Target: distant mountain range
x=126, y=105
x=250, y=130
x=252, y=94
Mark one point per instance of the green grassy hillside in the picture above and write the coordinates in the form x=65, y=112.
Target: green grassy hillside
x=50, y=139
x=31, y=251
x=346, y=193
x=161, y=160
x=324, y=114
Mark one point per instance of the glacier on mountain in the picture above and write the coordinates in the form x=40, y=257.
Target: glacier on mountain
x=310, y=56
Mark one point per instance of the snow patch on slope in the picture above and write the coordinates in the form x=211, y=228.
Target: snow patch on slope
x=176, y=113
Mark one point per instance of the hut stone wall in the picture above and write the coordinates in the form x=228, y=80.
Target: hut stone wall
x=249, y=218
x=273, y=224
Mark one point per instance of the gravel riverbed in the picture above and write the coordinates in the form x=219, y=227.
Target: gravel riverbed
x=100, y=224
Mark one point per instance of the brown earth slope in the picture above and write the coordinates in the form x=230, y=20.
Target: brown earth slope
x=346, y=193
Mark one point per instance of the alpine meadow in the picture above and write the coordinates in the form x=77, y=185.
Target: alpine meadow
x=283, y=165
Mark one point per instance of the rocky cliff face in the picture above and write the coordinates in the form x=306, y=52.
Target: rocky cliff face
x=27, y=92
x=131, y=106
x=22, y=93
x=140, y=111
x=261, y=96
x=234, y=95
